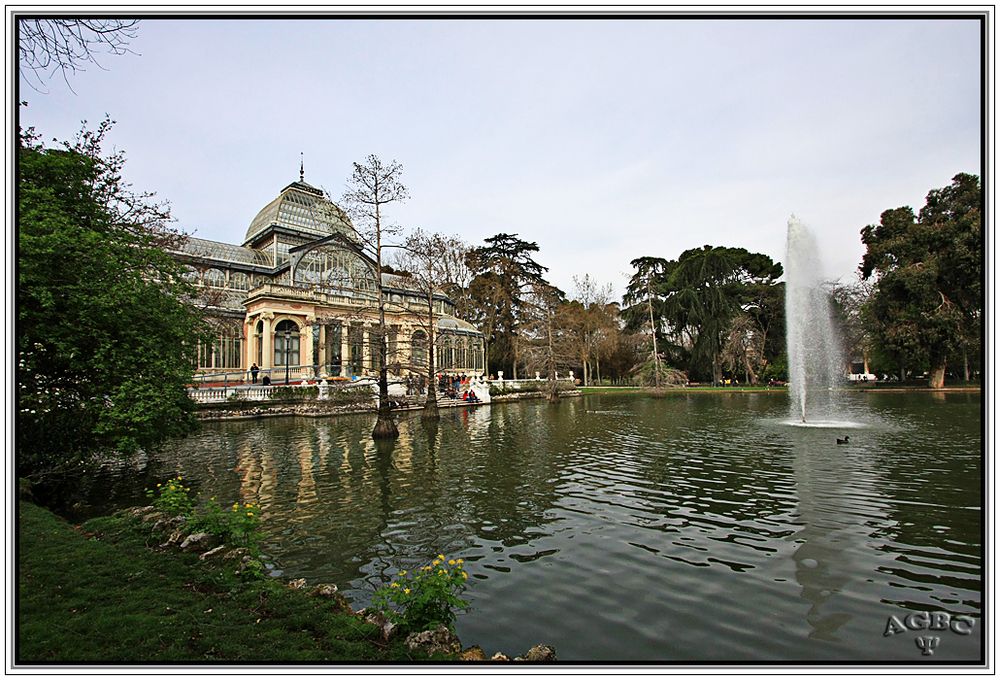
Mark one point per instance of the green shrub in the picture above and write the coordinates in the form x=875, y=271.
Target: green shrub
x=351, y=395
x=426, y=598
x=172, y=497
x=289, y=393
x=236, y=525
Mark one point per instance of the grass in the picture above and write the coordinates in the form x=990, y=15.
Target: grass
x=100, y=593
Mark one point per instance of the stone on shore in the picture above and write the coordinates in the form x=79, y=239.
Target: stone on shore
x=437, y=641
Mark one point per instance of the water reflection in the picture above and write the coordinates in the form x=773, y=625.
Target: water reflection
x=625, y=528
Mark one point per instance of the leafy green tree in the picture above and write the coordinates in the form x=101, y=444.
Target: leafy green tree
x=927, y=302
x=698, y=296
x=504, y=270
x=105, y=340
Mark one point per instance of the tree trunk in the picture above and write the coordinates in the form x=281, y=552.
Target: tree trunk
x=936, y=378
x=430, y=411
x=965, y=365
x=385, y=426
x=597, y=365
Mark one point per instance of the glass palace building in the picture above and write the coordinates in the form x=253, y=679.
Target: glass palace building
x=300, y=296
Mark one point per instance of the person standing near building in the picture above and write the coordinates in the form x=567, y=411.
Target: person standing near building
x=253, y=372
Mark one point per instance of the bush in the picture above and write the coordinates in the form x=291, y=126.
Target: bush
x=237, y=525
x=172, y=497
x=425, y=598
x=362, y=394
x=645, y=374
x=288, y=393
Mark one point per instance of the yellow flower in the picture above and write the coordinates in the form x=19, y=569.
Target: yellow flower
x=403, y=573
x=393, y=585
x=406, y=591
x=435, y=563
x=236, y=506
x=425, y=568
x=441, y=557
x=451, y=562
x=460, y=561
x=442, y=571
x=249, y=514
x=464, y=575
x=157, y=486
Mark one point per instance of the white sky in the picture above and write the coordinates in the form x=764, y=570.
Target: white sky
x=601, y=140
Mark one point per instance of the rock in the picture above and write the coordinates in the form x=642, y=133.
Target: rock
x=214, y=552
x=236, y=554
x=297, y=584
x=168, y=523
x=499, y=656
x=137, y=512
x=540, y=653
x=329, y=592
x=200, y=542
x=474, y=653
x=155, y=516
x=437, y=641
x=387, y=627
x=175, y=538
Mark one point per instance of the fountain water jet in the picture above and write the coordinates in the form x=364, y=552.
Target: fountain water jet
x=814, y=349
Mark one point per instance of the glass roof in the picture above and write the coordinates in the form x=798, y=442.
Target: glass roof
x=224, y=252
x=302, y=207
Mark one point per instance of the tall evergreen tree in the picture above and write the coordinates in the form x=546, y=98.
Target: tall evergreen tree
x=503, y=272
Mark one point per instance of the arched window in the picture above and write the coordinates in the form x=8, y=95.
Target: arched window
x=239, y=281
x=447, y=344
x=259, y=337
x=418, y=350
x=225, y=350
x=216, y=278
x=286, y=343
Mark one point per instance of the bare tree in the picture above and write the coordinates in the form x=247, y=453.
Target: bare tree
x=546, y=346
x=47, y=46
x=425, y=258
x=372, y=185
x=594, y=299
x=744, y=348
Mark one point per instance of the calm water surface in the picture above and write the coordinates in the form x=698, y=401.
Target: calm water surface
x=623, y=527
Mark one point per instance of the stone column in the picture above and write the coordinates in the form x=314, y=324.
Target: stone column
x=267, y=354
x=323, y=361
x=248, y=347
x=305, y=350
x=345, y=348
x=366, y=358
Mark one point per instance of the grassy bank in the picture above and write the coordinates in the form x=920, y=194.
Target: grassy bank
x=100, y=593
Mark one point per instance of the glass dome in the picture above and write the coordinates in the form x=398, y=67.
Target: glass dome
x=303, y=208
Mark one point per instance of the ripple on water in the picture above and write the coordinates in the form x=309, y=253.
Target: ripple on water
x=625, y=528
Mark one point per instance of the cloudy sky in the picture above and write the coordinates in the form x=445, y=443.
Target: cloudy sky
x=601, y=140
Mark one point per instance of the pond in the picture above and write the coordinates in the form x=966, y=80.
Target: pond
x=693, y=527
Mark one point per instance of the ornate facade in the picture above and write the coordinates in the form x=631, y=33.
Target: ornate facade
x=300, y=296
